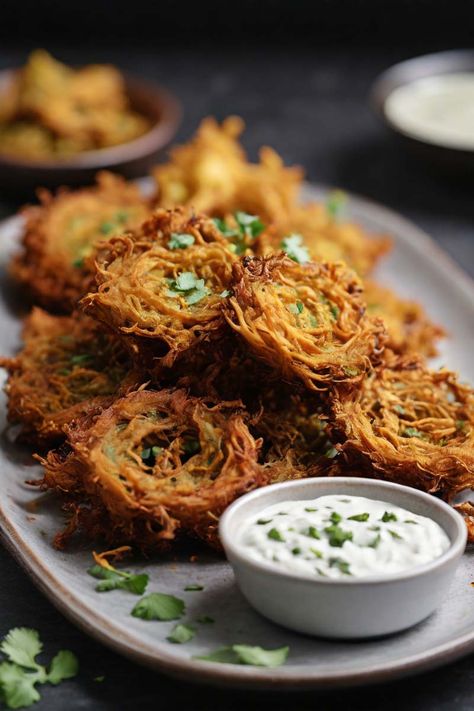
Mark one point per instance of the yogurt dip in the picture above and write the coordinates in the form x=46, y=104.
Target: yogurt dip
x=437, y=109
x=340, y=536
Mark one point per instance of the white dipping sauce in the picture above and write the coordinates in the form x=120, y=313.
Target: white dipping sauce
x=339, y=536
x=438, y=109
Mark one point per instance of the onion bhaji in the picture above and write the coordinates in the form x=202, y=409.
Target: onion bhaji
x=305, y=320
x=157, y=463
x=163, y=289
x=211, y=173
x=61, y=235
x=410, y=425
x=409, y=328
x=66, y=366
x=50, y=110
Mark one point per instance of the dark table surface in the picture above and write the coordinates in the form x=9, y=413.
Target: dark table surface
x=311, y=105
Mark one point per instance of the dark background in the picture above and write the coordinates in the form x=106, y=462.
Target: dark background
x=299, y=73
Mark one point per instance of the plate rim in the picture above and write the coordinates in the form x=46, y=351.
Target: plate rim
x=289, y=677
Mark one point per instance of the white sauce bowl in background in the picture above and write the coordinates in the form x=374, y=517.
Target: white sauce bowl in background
x=349, y=606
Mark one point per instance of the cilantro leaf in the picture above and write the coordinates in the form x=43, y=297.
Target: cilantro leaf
x=119, y=580
x=22, y=645
x=412, y=432
x=17, y=686
x=185, y=281
x=181, y=634
x=388, y=516
x=250, y=225
x=245, y=654
x=159, y=606
x=335, y=204
x=295, y=249
x=359, y=517
x=194, y=587
x=337, y=535
x=63, y=666
x=343, y=565
x=275, y=535
x=180, y=241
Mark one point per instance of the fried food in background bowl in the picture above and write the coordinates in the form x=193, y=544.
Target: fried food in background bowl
x=60, y=124
x=62, y=233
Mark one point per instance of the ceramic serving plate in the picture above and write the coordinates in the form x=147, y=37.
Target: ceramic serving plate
x=418, y=269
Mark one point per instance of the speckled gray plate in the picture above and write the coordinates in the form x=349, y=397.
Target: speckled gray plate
x=418, y=269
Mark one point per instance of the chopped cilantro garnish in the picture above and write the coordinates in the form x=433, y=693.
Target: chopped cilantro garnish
x=399, y=409
x=335, y=204
x=409, y=520
x=412, y=432
x=225, y=293
x=21, y=673
x=78, y=263
x=180, y=241
x=295, y=248
x=181, y=634
x=396, y=535
x=309, y=509
x=351, y=371
x=159, y=606
x=343, y=565
x=107, y=227
x=149, y=454
x=337, y=535
x=245, y=654
x=375, y=542
x=296, y=551
x=113, y=579
x=192, y=288
x=275, y=535
x=316, y=552
x=460, y=425
x=193, y=587
x=335, y=517
x=313, y=532
x=388, y=516
x=263, y=521
x=335, y=311
x=250, y=225
x=359, y=517
x=80, y=359
x=296, y=308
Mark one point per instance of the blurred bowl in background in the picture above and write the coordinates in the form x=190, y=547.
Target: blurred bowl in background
x=397, y=97
x=20, y=176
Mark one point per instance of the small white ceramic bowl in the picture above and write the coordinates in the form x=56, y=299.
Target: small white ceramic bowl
x=343, y=608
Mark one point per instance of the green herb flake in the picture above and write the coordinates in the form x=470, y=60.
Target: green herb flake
x=159, y=606
x=310, y=510
x=263, y=521
x=335, y=204
x=296, y=551
x=119, y=580
x=106, y=228
x=335, y=517
x=180, y=241
x=295, y=249
x=194, y=587
x=275, y=535
x=180, y=634
x=249, y=225
x=412, y=432
x=331, y=453
x=313, y=532
x=409, y=520
x=375, y=542
x=245, y=654
x=224, y=294
x=395, y=535
x=316, y=552
x=388, y=516
x=460, y=425
x=337, y=535
x=335, y=311
x=341, y=564
x=78, y=263
x=399, y=409
x=359, y=517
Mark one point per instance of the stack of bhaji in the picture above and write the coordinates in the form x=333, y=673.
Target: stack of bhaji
x=217, y=337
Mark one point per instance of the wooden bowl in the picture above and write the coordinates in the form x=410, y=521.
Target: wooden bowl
x=20, y=176
x=448, y=159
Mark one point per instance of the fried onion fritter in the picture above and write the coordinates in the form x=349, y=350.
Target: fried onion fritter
x=158, y=463
x=163, y=292
x=409, y=328
x=304, y=320
x=66, y=366
x=211, y=173
x=410, y=425
x=62, y=233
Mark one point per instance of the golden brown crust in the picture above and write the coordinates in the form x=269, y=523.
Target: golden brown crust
x=55, y=263
x=159, y=463
x=164, y=301
x=409, y=328
x=66, y=367
x=410, y=425
x=305, y=320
